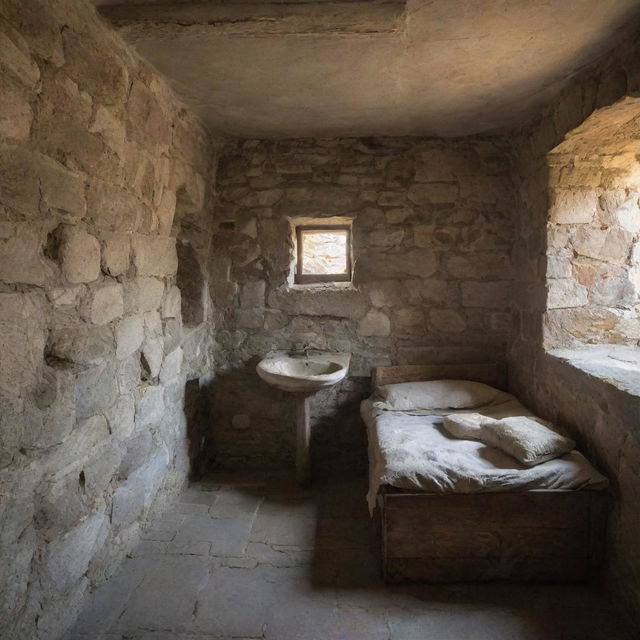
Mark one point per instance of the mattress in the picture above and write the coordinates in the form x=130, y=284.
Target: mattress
x=411, y=450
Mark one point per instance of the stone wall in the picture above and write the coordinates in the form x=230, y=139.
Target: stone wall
x=594, y=225
x=602, y=416
x=101, y=169
x=432, y=233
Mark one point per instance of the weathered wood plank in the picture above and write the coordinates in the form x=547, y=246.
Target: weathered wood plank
x=479, y=372
x=532, y=535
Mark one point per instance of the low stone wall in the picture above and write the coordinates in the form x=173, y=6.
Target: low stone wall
x=432, y=233
x=101, y=169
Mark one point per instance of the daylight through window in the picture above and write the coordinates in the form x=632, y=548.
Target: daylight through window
x=324, y=254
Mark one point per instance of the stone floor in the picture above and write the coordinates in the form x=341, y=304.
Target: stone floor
x=245, y=559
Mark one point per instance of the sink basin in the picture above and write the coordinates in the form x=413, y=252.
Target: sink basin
x=303, y=374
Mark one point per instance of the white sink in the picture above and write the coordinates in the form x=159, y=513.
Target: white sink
x=303, y=374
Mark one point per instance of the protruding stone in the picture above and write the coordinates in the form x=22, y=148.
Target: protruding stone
x=129, y=336
x=565, y=293
x=571, y=206
x=446, y=321
x=106, y=304
x=154, y=256
x=375, y=323
x=116, y=248
x=80, y=255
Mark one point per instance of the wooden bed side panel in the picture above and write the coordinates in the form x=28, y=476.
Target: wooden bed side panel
x=526, y=536
x=479, y=372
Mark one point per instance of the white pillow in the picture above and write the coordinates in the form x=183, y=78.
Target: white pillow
x=436, y=394
x=531, y=441
x=526, y=439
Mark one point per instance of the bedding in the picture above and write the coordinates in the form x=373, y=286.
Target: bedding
x=432, y=394
x=411, y=450
x=531, y=441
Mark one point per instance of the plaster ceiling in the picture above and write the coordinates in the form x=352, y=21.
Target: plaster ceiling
x=384, y=67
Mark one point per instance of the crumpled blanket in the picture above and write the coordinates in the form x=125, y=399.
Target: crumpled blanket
x=412, y=450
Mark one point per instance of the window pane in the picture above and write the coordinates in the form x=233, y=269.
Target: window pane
x=324, y=252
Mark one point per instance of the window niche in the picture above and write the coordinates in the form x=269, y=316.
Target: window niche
x=322, y=251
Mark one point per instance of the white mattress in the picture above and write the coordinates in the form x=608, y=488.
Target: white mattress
x=411, y=450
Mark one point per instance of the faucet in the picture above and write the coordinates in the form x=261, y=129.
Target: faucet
x=303, y=349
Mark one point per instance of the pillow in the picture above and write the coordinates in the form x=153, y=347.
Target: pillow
x=526, y=439
x=466, y=426
x=436, y=394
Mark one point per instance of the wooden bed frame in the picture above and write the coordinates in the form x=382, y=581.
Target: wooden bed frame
x=544, y=536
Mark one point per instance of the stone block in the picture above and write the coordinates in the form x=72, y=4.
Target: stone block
x=166, y=211
x=22, y=343
x=129, y=336
x=153, y=354
x=116, y=249
x=14, y=53
x=154, y=256
x=96, y=390
x=409, y=321
x=252, y=294
x=569, y=206
x=486, y=295
x=386, y=238
x=143, y=294
x=171, y=366
x=67, y=558
x=81, y=344
x=146, y=121
x=15, y=113
x=136, y=494
x=15, y=573
x=611, y=245
x=150, y=407
x=112, y=208
x=136, y=453
x=340, y=303
x=62, y=191
x=105, y=304
x=565, y=293
x=79, y=255
x=107, y=123
x=375, y=323
x=172, y=303
x=55, y=399
x=433, y=193
x=21, y=257
x=250, y=318
x=478, y=265
x=385, y=266
x=121, y=417
x=446, y=321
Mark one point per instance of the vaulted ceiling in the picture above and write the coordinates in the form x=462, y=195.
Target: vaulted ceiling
x=348, y=68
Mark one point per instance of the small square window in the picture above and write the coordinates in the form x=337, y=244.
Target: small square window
x=324, y=254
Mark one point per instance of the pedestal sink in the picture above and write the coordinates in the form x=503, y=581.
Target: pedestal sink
x=303, y=375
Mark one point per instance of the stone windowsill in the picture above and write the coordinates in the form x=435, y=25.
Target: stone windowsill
x=322, y=286
x=617, y=365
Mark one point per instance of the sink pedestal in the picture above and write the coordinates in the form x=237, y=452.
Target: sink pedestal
x=302, y=377
x=303, y=439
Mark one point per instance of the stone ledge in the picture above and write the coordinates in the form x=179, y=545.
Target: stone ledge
x=617, y=365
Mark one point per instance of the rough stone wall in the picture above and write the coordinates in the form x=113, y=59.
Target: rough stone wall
x=100, y=169
x=594, y=225
x=432, y=234
x=602, y=418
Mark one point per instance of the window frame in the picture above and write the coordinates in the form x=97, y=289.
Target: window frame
x=313, y=278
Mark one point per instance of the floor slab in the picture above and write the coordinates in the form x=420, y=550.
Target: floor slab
x=236, y=559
